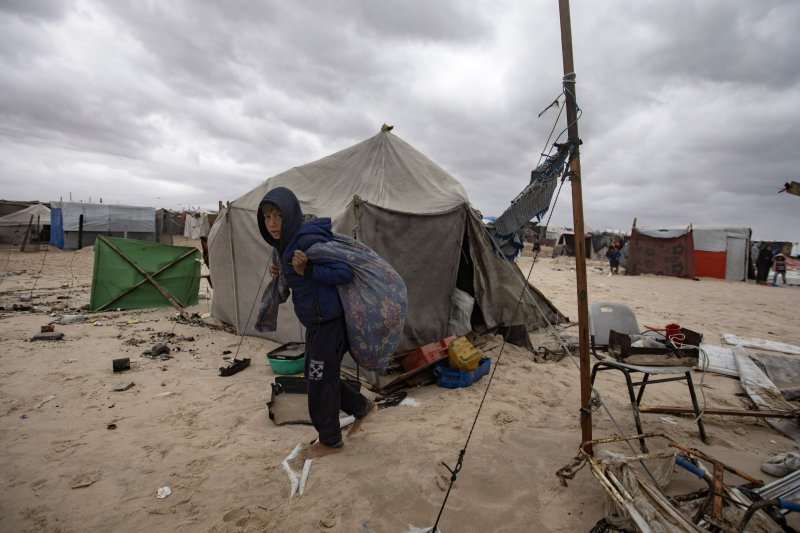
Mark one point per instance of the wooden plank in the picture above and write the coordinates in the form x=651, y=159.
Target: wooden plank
x=671, y=409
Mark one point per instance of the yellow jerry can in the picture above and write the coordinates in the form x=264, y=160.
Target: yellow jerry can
x=463, y=355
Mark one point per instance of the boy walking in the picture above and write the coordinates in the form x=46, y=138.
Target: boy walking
x=319, y=309
x=612, y=254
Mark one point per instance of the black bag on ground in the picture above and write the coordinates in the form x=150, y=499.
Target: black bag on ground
x=288, y=403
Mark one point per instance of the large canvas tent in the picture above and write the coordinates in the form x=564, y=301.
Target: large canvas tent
x=131, y=222
x=407, y=208
x=14, y=227
x=697, y=251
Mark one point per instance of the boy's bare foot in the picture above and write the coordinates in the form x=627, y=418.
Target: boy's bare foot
x=359, y=421
x=318, y=450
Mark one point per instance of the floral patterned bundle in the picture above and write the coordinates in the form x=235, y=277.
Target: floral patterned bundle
x=375, y=303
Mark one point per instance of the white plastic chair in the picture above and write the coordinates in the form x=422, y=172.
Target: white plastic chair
x=605, y=316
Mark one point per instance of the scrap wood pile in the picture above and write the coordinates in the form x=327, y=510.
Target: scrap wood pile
x=640, y=497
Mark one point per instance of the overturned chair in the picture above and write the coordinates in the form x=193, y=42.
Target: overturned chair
x=607, y=316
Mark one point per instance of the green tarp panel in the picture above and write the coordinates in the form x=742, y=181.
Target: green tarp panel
x=113, y=275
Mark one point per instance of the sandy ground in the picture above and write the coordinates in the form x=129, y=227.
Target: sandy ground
x=209, y=439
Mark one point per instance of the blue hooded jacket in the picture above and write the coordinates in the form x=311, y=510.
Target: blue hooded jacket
x=314, y=294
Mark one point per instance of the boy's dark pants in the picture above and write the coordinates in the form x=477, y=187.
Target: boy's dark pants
x=327, y=393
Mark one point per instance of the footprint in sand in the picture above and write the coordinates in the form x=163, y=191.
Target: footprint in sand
x=67, y=447
x=239, y=516
x=501, y=418
x=85, y=479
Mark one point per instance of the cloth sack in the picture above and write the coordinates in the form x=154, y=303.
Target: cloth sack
x=375, y=303
x=276, y=292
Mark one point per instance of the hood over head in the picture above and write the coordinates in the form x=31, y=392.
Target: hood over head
x=289, y=205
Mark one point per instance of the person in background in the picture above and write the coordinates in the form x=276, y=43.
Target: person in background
x=779, y=267
x=612, y=254
x=751, y=260
x=763, y=263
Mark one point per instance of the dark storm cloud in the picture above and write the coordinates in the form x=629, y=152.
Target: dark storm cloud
x=723, y=41
x=39, y=10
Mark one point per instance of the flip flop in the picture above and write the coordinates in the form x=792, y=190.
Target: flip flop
x=390, y=400
x=235, y=366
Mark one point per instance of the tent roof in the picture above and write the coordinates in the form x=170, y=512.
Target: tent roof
x=674, y=231
x=24, y=216
x=383, y=170
x=400, y=191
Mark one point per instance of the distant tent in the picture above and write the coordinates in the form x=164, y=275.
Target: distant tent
x=168, y=224
x=196, y=225
x=14, y=227
x=12, y=206
x=661, y=252
x=552, y=235
x=408, y=209
x=565, y=245
x=127, y=221
x=721, y=252
x=601, y=241
x=716, y=252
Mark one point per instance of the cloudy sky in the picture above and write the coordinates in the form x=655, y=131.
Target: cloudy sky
x=691, y=109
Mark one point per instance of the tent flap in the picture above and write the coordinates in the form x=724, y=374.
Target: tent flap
x=424, y=250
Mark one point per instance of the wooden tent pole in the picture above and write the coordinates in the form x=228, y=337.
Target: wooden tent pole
x=233, y=266
x=577, y=215
x=27, y=235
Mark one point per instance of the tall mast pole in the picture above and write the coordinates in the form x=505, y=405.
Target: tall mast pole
x=577, y=216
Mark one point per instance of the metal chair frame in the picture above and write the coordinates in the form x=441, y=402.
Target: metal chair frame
x=635, y=395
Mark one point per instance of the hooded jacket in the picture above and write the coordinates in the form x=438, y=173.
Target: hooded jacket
x=314, y=294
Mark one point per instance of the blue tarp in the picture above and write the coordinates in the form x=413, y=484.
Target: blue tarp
x=56, y=228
